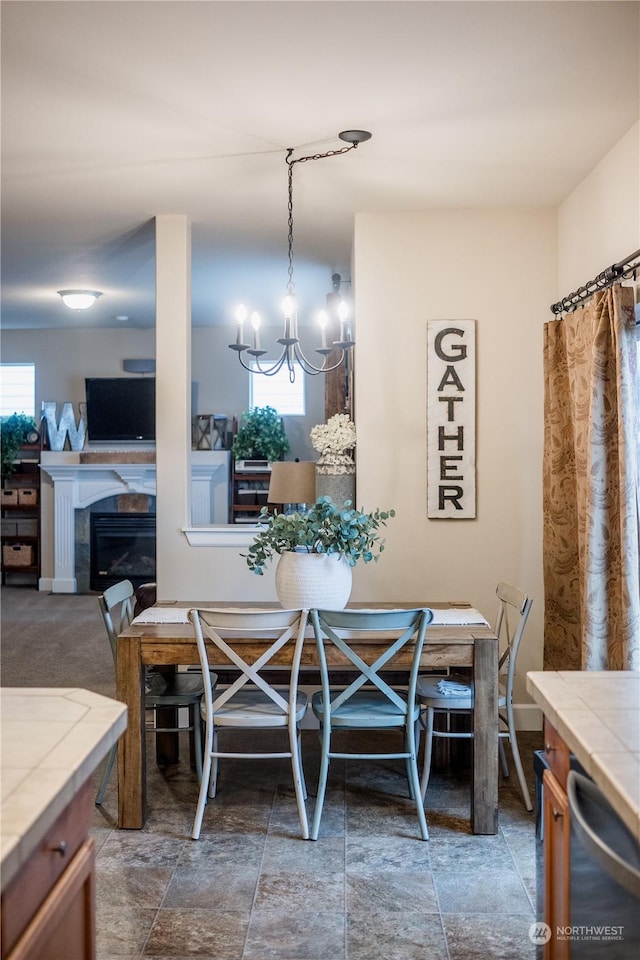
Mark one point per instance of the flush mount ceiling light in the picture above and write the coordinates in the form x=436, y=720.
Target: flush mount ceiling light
x=79, y=299
x=292, y=353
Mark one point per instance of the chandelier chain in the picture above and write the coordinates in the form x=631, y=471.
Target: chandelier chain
x=292, y=354
x=290, y=164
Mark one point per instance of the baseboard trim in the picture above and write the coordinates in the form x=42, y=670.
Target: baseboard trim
x=527, y=716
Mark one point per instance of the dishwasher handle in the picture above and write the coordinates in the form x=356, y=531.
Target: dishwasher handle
x=588, y=803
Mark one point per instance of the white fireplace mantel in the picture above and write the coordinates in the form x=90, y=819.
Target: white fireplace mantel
x=77, y=485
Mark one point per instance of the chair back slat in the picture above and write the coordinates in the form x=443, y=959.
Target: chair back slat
x=117, y=610
x=513, y=612
x=338, y=627
x=219, y=626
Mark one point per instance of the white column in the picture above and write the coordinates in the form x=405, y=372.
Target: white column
x=64, y=580
x=173, y=390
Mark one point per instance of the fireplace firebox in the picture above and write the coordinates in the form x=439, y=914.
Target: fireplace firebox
x=123, y=547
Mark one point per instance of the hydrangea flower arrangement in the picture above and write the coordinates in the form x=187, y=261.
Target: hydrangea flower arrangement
x=334, y=438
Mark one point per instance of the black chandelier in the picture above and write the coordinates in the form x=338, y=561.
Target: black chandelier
x=292, y=353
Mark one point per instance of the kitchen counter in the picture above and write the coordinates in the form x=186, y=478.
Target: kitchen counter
x=597, y=714
x=52, y=740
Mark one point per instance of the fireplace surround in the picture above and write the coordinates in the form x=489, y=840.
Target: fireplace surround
x=70, y=486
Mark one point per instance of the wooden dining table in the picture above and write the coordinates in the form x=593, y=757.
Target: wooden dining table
x=472, y=645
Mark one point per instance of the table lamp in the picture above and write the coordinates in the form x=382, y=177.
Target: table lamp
x=293, y=483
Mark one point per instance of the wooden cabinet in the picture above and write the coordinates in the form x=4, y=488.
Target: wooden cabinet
x=556, y=865
x=20, y=514
x=249, y=490
x=557, y=837
x=48, y=910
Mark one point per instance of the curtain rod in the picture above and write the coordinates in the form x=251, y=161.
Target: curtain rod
x=614, y=273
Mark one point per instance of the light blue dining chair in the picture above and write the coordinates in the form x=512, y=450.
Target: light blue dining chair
x=369, y=702
x=251, y=702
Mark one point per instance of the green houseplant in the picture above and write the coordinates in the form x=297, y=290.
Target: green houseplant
x=324, y=529
x=13, y=434
x=261, y=436
x=316, y=551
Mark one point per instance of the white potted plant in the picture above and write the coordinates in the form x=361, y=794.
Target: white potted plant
x=316, y=551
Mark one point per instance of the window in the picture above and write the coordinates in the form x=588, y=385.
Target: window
x=278, y=391
x=638, y=379
x=18, y=389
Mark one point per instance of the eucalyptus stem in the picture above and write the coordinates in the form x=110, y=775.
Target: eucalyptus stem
x=325, y=528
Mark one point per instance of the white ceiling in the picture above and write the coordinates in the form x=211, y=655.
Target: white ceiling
x=114, y=112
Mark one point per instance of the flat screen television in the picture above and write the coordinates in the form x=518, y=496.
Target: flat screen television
x=121, y=409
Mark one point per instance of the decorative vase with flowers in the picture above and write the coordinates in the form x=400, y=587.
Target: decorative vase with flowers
x=335, y=469
x=317, y=550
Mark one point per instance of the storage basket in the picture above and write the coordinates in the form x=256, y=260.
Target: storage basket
x=27, y=496
x=17, y=555
x=27, y=528
x=9, y=497
x=9, y=528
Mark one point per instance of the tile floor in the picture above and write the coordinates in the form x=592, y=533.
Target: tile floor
x=368, y=889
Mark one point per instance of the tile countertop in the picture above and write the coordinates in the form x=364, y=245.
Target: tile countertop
x=597, y=714
x=52, y=739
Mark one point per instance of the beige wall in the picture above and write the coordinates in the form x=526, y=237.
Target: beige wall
x=599, y=223
x=497, y=267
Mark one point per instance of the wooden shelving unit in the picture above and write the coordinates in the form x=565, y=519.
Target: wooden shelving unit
x=20, y=514
x=249, y=489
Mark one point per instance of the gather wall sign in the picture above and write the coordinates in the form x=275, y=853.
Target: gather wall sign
x=451, y=419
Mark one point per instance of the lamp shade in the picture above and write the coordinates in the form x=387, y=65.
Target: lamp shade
x=292, y=482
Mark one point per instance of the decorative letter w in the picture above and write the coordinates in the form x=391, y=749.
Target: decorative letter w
x=58, y=432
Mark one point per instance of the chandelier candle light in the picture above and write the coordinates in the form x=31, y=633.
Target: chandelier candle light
x=291, y=353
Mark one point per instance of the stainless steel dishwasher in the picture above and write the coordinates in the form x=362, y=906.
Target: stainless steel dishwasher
x=605, y=877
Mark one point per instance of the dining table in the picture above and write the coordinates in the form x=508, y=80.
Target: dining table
x=162, y=636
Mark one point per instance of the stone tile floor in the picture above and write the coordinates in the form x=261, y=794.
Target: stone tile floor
x=368, y=889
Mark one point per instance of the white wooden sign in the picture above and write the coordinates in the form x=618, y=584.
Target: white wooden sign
x=451, y=419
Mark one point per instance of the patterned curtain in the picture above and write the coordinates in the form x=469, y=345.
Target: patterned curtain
x=590, y=487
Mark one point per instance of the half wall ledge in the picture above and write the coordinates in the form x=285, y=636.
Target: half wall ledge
x=240, y=535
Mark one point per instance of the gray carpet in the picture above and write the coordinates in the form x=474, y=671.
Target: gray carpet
x=53, y=640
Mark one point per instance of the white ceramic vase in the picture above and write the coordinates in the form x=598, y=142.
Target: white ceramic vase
x=307, y=580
